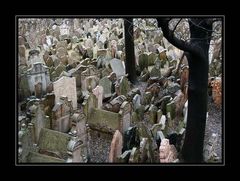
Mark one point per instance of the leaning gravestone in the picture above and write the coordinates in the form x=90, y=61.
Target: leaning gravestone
x=124, y=86
x=59, y=69
x=107, y=87
x=125, y=110
x=117, y=67
x=116, y=146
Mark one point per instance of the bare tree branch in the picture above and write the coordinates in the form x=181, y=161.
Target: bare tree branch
x=197, y=25
x=177, y=24
x=169, y=34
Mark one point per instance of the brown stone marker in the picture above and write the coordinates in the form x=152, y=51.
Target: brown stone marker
x=116, y=146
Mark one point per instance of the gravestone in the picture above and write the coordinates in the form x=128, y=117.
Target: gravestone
x=124, y=86
x=132, y=93
x=154, y=89
x=90, y=71
x=131, y=138
x=61, y=113
x=155, y=128
x=24, y=90
x=66, y=86
x=98, y=92
x=21, y=40
x=156, y=70
x=153, y=114
x=56, y=60
x=134, y=156
x=123, y=158
x=117, y=67
x=74, y=57
x=90, y=52
x=151, y=58
x=147, y=96
x=22, y=54
x=135, y=118
x=144, y=148
x=136, y=102
x=170, y=108
x=167, y=152
x=159, y=115
x=164, y=101
x=38, y=90
x=107, y=87
x=49, y=62
x=90, y=102
x=39, y=119
x=163, y=121
x=116, y=146
x=125, y=111
x=78, y=121
x=112, y=77
x=94, y=50
x=143, y=61
x=115, y=104
x=38, y=73
x=59, y=69
x=144, y=76
x=91, y=82
x=106, y=72
x=62, y=55
x=140, y=112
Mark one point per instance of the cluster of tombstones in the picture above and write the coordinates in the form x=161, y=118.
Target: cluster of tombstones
x=73, y=83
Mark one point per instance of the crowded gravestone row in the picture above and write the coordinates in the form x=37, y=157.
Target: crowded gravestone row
x=76, y=104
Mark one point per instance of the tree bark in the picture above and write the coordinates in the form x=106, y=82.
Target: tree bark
x=197, y=48
x=129, y=50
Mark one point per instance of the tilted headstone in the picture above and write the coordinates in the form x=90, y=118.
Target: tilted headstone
x=124, y=86
x=116, y=146
x=107, y=87
x=117, y=67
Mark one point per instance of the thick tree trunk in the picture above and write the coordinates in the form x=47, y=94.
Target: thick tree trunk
x=192, y=150
x=129, y=50
x=197, y=48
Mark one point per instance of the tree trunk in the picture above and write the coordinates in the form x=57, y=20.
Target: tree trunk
x=129, y=50
x=197, y=48
x=192, y=150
